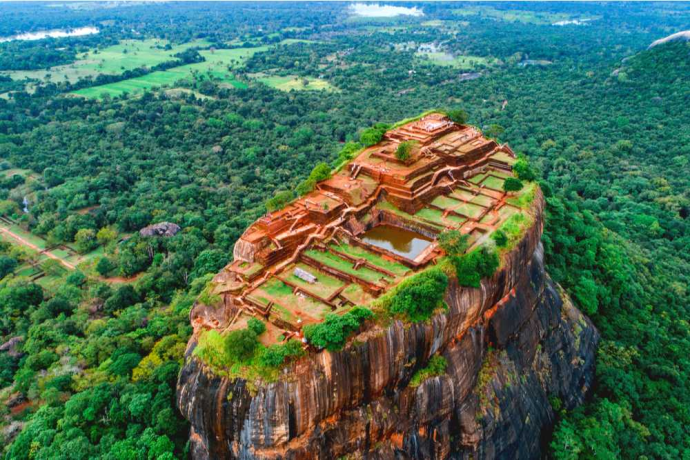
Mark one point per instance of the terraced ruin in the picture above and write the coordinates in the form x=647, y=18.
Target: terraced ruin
x=416, y=378
x=362, y=231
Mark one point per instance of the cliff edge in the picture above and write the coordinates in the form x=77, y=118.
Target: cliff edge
x=512, y=346
x=464, y=344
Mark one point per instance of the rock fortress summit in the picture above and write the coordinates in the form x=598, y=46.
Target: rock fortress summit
x=476, y=378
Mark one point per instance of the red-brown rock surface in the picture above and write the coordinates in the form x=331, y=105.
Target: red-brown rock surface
x=510, y=346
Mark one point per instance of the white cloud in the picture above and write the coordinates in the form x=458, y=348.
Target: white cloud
x=374, y=10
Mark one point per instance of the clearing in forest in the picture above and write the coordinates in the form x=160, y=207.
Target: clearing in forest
x=458, y=62
x=291, y=82
x=526, y=17
x=216, y=67
x=113, y=60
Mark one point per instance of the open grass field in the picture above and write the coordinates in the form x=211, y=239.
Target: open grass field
x=526, y=17
x=458, y=62
x=113, y=60
x=216, y=66
x=291, y=82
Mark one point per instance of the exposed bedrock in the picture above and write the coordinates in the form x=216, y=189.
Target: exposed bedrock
x=510, y=347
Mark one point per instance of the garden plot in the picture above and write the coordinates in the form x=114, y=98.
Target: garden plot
x=356, y=294
x=324, y=287
x=493, y=182
x=331, y=260
x=297, y=306
x=375, y=259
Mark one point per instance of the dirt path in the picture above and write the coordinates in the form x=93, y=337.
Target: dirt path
x=29, y=244
x=121, y=279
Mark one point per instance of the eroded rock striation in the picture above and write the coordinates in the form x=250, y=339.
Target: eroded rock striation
x=510, y=346
x=513, y=346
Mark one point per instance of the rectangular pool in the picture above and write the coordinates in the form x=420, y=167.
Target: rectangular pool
x=403, y=242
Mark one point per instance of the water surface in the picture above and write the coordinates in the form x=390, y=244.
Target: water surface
x=397, y=240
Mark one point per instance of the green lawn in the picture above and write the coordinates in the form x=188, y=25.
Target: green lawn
x=292, y=41
x=432, y=215
x=476, y=179
x=434, y=23
x=291, y=82
x=502, y=156
x=113, y=60
x=445, y=202
x=324, y=287
x=375, y=259
x=501, y=174
x=216, y=66
x=457, y=220
x=28, y=236
x=469, y=210
x=331, y=260
x=482, y=200
x=462, y=194
x=493, y=183
x=355, y=294
x=458, y=62
x=291, y=304
x=527, y=17
x=438, y=224
x=18, y=172
x=51, y=283
x=525, y=197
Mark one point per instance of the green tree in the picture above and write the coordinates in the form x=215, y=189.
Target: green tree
x=404, y=150
x=523, y=170
x=7, y=265
x=105, y=266
x=471, y=268
x=279, y=200
x=333, y=332
x=500, y=237
x=512, y=184
x=256, y=326
x=85, y=240
x=373, y=135
x=106, y=236
x=453, y=242
x=458, y=116
x=417, y=297
x=320, y=172
x=240, y=344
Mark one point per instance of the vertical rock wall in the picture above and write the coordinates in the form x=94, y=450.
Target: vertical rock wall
x=510, y=346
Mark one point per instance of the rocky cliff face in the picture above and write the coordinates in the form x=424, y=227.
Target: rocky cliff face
x=510, y=347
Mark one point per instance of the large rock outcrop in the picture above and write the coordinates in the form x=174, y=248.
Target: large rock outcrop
x=511, y=346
